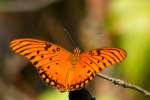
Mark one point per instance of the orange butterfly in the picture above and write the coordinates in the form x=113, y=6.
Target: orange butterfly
x=62, y=69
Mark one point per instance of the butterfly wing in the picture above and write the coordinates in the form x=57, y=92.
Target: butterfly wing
x=92, y=62
x=102, y=58
x=50, y=60
x=54, y=62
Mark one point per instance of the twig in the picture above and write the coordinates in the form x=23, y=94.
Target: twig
x=125, y=84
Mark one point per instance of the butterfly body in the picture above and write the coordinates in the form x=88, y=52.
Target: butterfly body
x=62, y=69
x=75, y=57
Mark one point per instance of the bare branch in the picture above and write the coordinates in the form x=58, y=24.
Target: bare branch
x=125, y=84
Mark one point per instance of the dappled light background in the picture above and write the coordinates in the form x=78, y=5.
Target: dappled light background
x=91, y=24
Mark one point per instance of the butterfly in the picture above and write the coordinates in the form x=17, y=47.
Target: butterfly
x=62, y=69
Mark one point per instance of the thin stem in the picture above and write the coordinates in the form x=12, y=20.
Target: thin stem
x=125, y=84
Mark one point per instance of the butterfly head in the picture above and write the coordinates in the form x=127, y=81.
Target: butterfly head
x=76, y=51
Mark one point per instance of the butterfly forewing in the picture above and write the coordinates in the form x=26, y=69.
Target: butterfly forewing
x=102, y=58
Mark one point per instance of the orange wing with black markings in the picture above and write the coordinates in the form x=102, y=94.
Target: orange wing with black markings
x=104, y=57
x=62, y=69
x=49, y=59
x=92, y=62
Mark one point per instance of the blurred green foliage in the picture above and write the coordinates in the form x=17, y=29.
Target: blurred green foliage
x=130, y=19
x=52, y=95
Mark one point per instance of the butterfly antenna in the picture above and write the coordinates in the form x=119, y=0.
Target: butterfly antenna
x=69, y=36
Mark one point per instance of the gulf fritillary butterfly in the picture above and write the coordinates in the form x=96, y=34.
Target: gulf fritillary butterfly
x=62, y=69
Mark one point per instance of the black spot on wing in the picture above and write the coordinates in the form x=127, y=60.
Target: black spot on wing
x=88, y=71
x=32, y=57
x=53, y=50
x=98, y=52
x=104, y=64
x=47, y=45
x=48, y=67
x=50, y=58
x=27, y=54
x=57, y=49
x=35, y=63
x=38, y=51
